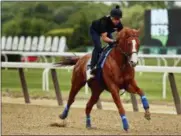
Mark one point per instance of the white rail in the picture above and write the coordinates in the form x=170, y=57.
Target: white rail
x=70, y=54
x=48, y=66
x=156, y=69
x=65, y=54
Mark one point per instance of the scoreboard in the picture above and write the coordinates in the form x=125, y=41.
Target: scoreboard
x=163, y=29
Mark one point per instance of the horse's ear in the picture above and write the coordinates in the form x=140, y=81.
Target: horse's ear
x=138, y=32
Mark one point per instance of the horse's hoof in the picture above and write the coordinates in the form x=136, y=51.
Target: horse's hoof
x=88, y=125
x=148, y=118
x=147, y=115
x=126, y=130
x=62, y=116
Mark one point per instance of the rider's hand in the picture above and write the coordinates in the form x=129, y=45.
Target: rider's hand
x=114, y=41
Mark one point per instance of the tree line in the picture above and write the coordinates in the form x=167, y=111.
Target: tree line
x=70, y=19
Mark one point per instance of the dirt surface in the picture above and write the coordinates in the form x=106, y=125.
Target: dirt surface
x=154, y=108
x=37, y=119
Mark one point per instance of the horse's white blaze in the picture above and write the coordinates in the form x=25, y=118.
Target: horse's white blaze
x=134, y=56
x=134, y=46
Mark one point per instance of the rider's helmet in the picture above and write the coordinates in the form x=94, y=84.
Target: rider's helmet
x=116, y=12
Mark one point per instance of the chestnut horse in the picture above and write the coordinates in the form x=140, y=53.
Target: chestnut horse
x=118, y=73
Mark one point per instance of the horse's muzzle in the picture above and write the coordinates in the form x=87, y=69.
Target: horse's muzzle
x=134, y=59
x=133, y=64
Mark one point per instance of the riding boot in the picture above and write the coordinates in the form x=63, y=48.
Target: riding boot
x=94, y=60
x=92, y=68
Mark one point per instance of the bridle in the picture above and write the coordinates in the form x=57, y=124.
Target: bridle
x=127, y=55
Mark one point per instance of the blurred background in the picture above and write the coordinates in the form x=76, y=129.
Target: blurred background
x=159, y=22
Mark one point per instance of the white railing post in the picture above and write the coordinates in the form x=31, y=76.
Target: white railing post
x=164, y=83
x=43, y=80
x=47, y=79
x=176, y=61
x=158, y=62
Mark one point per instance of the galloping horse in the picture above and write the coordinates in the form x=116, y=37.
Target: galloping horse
x=117, y=73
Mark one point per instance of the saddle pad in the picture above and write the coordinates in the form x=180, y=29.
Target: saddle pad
x=100, y=65
x=103, y=57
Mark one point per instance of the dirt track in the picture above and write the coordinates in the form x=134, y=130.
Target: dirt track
x=33, y=119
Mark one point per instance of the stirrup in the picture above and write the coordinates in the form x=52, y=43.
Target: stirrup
x=93, y=70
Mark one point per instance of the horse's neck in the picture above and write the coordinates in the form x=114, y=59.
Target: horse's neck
x=117, y=56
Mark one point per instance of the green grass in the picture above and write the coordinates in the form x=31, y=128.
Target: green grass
x=151, y=83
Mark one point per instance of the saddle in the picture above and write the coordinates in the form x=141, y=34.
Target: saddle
x=100, y=64
x=103, y=56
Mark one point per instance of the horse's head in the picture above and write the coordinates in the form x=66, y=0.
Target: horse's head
x=128, y=44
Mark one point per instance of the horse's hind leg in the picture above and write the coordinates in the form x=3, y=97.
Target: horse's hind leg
x=96, y=91
x=77, y=84
x=133, y=88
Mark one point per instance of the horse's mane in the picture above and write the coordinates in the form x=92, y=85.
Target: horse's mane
x=125, y=33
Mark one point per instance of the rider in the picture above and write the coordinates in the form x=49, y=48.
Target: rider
x=103, y=28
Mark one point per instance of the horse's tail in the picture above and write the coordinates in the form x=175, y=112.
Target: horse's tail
x=68, y=61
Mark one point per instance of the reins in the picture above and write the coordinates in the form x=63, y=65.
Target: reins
x=125, y=54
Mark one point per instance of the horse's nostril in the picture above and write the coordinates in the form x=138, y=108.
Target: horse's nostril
x=132, y=63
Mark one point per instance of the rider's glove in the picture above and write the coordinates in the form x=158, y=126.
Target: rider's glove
x=113, y=42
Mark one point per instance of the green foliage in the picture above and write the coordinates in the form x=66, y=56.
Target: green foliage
x=67, y=32
x=25, y=27
x=155, y=4
x=90, y=10
x=41, y=8
x=134, y=17
x=80, y=35
x=79, y=49
x=38, y=27
x=61, y=14
x=63, y=31
x=35, y=18
x=8, y=28
x=52, y=18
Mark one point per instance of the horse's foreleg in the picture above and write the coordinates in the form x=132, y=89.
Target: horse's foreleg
x=96, y=91
x=114, y=89
x=74, y=90
x=116, y=98
x=133, y=88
